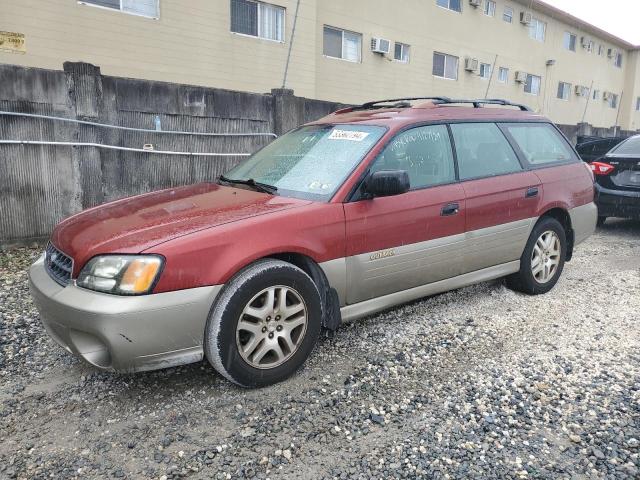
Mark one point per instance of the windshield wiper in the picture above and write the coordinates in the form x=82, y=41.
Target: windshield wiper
x=259, y=186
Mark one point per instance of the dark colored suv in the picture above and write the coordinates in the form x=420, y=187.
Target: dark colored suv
x=617, y=177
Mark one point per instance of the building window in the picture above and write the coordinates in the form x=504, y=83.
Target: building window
x=600, y=49
x=144, y=8
x=618, y=61
x=590, y=46
x=445, y=66
x=596, y=94
x=401, y=52
x=537, y=29
x=638, y=104
x=342, y=44
x=570, y=41
x=532, y=84
x=564, y=89
x=455, y=5
x=485, y=70
x=490, y=8
x=507, y=15
x=503, y=75
x=257, y=19
x=612, y=100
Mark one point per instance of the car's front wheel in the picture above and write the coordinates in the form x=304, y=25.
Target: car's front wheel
x=543, y=259
x=264, y=324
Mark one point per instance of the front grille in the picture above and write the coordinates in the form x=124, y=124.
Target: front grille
x=59, y=265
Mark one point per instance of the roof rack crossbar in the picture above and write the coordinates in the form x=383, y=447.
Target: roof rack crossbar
x=477, y=103
x=369, y=105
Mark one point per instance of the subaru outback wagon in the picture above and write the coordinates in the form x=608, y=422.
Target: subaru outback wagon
x=367, y=208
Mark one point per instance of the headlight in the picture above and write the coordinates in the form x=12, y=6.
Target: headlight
x=121, y=274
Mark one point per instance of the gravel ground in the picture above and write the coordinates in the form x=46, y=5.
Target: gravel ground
x=480, y=382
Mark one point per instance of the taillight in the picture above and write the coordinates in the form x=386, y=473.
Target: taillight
x=601, y=168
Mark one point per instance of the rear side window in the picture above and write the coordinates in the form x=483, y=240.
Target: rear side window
x=540, y=143
x=423, y=152
x=483, y=151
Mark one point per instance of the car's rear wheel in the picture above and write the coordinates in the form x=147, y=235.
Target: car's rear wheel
x=543, y=259
x=264, y=324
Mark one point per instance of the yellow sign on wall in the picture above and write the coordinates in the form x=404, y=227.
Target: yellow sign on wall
x=12, y=42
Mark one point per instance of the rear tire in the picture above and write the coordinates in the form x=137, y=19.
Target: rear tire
x=542, y=261
x=264, y=324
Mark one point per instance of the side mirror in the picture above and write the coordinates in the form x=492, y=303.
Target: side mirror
x=386, y=183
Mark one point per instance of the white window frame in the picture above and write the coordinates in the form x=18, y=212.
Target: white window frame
x=405, y=48
x=504, y=70
x=537, y=92
x=600, y=50
x=566, y=91
x=566, y=41
x=638, y=104
x=484, y=69
x=534, y=30
x=444, y=72
x=489, y=8
x=112, y=9
x=507, y=15
x=284, y=23
x=343, y=31
x=595, y=94
x=613, y=100
x=449, y=6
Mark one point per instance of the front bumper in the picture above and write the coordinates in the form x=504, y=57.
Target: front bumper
x=617, y=203
x=124, y=334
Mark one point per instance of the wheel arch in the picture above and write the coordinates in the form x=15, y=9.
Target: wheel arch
x=331, y=318
x=562, y=216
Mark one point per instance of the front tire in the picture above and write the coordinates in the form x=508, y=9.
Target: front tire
x=264, y=324
x=543, y=259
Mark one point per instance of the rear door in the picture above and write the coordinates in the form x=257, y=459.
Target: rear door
x=501, y=198
x=399, y=242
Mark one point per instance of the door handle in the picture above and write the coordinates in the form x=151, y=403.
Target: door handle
x=450, y=209
x=531, y=192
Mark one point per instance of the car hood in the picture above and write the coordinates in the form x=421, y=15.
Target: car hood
x=135, y=224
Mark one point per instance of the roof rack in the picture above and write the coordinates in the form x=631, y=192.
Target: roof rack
x=403, y=103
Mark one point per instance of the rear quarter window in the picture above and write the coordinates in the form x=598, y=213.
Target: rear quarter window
x=540, y=143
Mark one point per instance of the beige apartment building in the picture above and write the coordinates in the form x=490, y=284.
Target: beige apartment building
x=348, y=51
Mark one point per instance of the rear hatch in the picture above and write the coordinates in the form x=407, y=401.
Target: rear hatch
x=626, y=175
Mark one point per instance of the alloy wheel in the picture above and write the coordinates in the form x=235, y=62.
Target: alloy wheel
x=271, y=327
x=545, y=257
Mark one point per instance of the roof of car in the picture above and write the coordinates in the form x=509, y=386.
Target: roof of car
x=402, y=113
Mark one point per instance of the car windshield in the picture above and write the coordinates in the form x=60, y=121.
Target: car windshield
x=630, y=146
x=311, y=162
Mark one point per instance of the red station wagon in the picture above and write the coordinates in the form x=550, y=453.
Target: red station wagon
x=367, y=208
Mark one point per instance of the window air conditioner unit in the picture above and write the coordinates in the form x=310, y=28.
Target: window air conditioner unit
x=580, y=91
x=521, y=77
x=380, y=45
x=475, y=3
x=585, y=41
x=471, y=64
x=611, y=53
x=526, y=18
x=606, y=96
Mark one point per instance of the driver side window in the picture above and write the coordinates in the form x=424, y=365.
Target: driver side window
x=423, y=152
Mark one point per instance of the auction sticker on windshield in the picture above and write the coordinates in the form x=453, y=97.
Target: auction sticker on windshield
x=348, y=135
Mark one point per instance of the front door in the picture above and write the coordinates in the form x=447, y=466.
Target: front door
x=403, y=241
